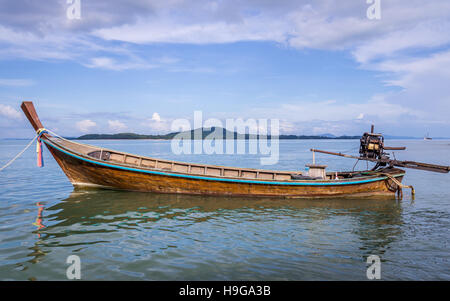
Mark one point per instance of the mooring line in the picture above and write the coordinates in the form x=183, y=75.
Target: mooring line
x=39, y=133
x=19, y=154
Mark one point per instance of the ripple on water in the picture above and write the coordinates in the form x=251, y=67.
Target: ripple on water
x=134, y=236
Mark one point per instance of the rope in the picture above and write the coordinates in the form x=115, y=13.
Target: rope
x=399, y=184
x=353, y=169
x=38, y=134
x=19, y=154
x=60, y=137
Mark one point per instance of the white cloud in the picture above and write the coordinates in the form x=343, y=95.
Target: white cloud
x=338, y=117
x=9, y=112
x=317, y=24
x=336, y=110
x=11, y=82
x=425, y=35
x=157, y=124
x=157, y=31
x=112, y=64
x=167, y=60
x=19, y=43
x=116, y=125
x=156, y=117
x=425, y=85
x=407, y=45
x=85, y=125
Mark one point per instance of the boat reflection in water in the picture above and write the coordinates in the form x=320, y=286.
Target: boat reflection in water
x=169, y=236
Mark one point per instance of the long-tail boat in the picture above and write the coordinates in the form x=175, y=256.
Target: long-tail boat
x=87, y=165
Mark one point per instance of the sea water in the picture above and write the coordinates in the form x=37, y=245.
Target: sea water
x=145, y=236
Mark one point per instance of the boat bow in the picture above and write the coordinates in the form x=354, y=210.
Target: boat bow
x=88, y=165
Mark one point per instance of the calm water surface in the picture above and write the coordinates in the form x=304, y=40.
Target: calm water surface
x=144, y=236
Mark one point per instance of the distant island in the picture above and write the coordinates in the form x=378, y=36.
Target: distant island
x=199, y=134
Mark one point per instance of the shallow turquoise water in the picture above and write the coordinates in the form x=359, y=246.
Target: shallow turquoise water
x=143, y=236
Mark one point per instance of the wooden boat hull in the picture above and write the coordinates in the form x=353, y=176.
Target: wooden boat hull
x=87, y=165
x=89, y=173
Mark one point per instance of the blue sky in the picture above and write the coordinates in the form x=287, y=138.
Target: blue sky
x=318, y=66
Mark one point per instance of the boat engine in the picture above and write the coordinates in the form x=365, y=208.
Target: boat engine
x=372, y=149
x=372, y=145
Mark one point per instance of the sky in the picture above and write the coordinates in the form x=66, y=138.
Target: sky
x=319, y=66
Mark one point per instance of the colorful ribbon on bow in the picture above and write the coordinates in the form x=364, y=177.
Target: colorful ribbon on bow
x=40, y=157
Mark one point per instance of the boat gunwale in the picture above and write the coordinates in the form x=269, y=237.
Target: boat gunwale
x=98, y=148
x=141, y=169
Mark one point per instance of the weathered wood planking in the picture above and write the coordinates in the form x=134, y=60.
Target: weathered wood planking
x=174, y=166
x=89, y=173
x=87, y=165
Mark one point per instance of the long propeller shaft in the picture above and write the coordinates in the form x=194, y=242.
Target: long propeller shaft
x=406, y=164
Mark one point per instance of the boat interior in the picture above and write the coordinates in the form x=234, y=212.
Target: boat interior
x=142, y=162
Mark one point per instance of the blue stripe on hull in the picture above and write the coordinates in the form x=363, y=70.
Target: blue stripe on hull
x=217, y=179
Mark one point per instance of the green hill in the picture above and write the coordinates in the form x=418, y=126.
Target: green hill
x=205, y=134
